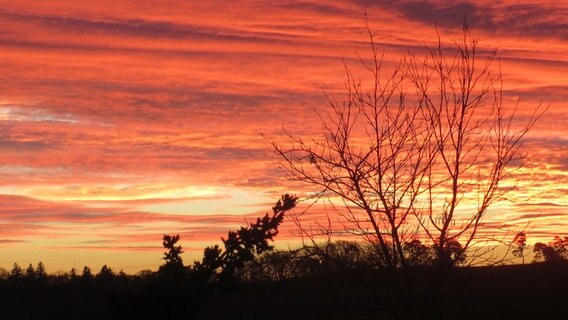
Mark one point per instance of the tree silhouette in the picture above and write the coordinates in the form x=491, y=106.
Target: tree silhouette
x=519, y=246
x=16, y=271
x=174, y=263
x=274, y=266
x=86, y=274
x=452, y=253
x=179, y=291
x=106, y=273
x=560, y=245
x=542, y=250
x=555, y=251
x=418, y=254
x=173, y=255
x=244, y=244
x=41, y=273
x=30, y=272
x=402, y=155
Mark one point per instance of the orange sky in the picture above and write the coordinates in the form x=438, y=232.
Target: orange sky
x=123, y=120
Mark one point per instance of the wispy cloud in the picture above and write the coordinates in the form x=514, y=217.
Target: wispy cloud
x=123, y=120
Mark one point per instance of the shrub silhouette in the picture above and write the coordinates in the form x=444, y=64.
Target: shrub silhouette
x=555, y=251
x=179, y=291
x=174, y=263
x=243, y=245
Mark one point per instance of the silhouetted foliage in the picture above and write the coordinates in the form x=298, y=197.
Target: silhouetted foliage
x=179, y=291
x=173, y=255
x=30, y=272
x=452, y=253
x=106, y=273
x=271, y=266
x=16, y=271
x=339, y=255
x=322, y=294
x=86, y=274
x=40, y=271
x=519, y=246
x=555, y=251
x=308, y=279
x=418, y=254
x=4, y=274
x=174, y=264
x=243, y=245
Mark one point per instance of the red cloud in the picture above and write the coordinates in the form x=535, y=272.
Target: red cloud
x=142, y=95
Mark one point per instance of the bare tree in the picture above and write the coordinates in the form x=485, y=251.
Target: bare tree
x=417, y=154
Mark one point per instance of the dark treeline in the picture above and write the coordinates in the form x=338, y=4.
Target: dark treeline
x=245, y=278
x=302, y=284
x=175, y=291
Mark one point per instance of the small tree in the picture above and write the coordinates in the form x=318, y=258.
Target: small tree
x=30, y=272
x=560, y=245
x=173, y=255
x=543, y=251
x=106, y=273
x=243, y=245
x=16, y=271
x=174, y=262
x=4, y=274
x=555, y=251
x=40, y=271
x=417, y=253
x=86, y=274
x=179, y=292
x=519, y=246
x=452, y=253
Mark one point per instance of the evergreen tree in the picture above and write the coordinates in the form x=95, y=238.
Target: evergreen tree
x=16, y=271
x=30, y=272
x=87, y=274
x=40, y=271
x=243, y=245
x=105, y=273
x=174, y=262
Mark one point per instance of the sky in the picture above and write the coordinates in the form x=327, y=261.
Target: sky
x=124, y=120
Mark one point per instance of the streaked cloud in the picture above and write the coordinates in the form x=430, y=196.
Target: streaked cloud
x=124, y=120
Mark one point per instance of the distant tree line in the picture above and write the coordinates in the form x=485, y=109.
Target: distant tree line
x=174, y=291
x=247, y=256
x=338, y=256
x=178, y=290
x=554, y=251
x=40, y=273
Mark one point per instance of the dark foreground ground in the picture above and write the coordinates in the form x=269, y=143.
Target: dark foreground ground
x=535, y=291
x=510, y=292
